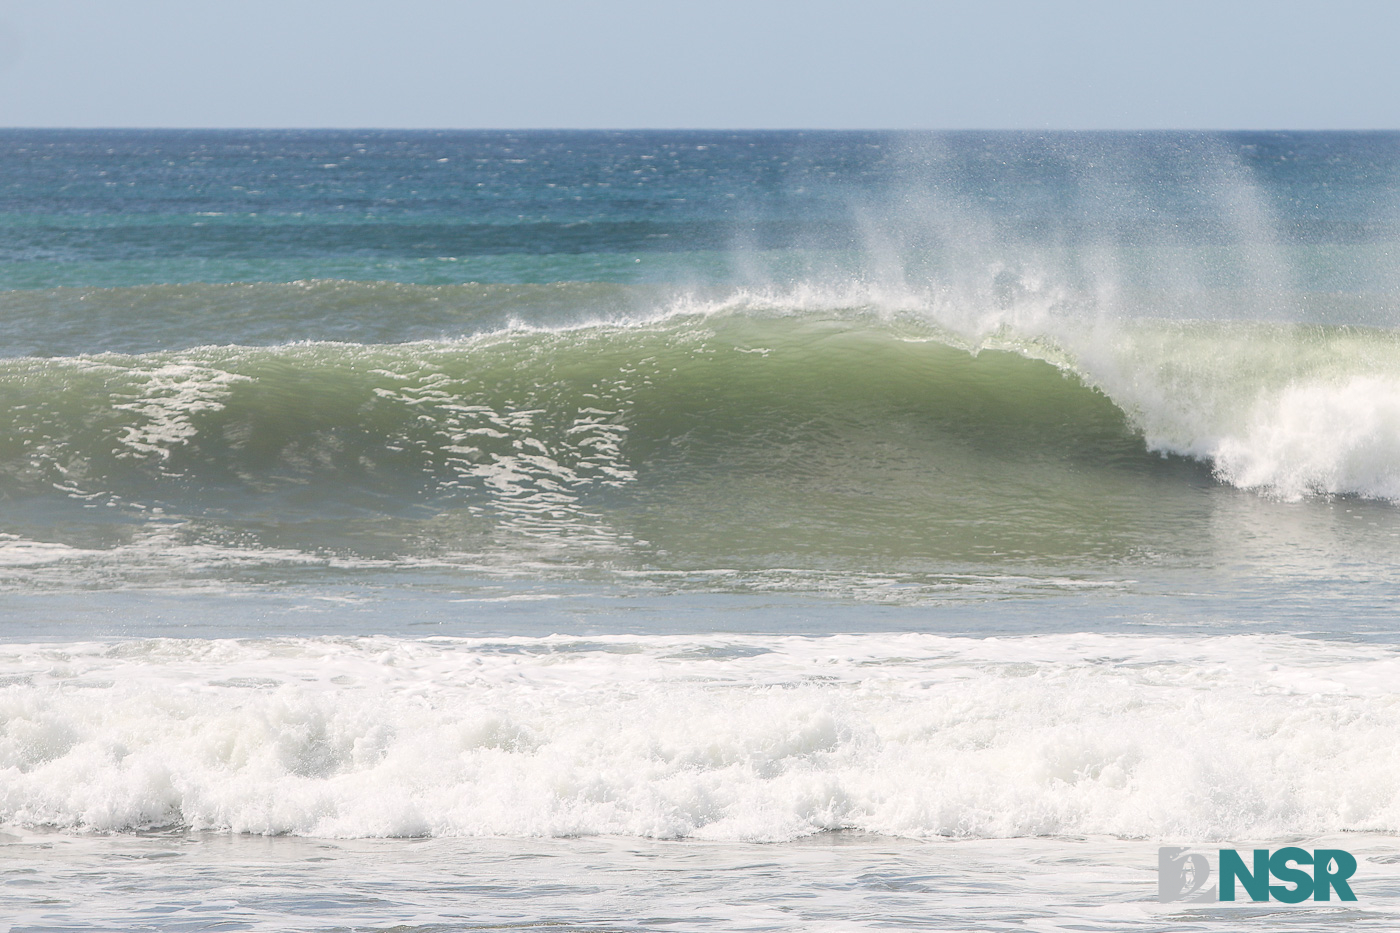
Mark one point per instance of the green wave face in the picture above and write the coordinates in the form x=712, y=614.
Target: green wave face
x=693, y=441
x=744, y=435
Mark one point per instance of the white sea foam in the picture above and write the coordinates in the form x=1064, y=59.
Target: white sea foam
x=171, y=396
x=17, y=552
x=716, y=737
x=1320, y=438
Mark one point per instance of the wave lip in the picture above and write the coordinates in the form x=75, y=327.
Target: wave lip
x=718, y=737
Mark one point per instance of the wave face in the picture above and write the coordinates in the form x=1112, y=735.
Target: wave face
x=919, y=358
x=840, y=431
x=725, y=738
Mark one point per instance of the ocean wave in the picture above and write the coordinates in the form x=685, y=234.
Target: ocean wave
x=845, y=429
x=1287, y=408
x=713, y=737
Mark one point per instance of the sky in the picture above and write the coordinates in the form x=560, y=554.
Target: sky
x=816, y=64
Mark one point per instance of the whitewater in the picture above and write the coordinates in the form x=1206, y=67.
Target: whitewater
x=734, y=738
x=702, y=530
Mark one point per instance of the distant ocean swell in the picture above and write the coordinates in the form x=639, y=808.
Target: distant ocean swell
x=712, y=737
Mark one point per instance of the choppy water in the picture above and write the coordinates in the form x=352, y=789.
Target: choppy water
x=647, y=503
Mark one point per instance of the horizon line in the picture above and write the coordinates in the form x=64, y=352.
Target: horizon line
x=688, y=129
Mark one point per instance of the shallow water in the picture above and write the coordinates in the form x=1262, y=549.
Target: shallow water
x=832, y=881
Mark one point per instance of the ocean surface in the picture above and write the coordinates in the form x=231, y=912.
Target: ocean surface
x=698, y=531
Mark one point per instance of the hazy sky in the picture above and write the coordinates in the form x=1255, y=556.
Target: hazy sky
x=665, y=63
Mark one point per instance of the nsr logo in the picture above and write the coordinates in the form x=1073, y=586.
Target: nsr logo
x=1183, y=875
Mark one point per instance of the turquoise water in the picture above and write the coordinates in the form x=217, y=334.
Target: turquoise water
x=816, y=511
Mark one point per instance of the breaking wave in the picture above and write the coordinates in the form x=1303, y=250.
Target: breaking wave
x=711, y=737
x=754, y=430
